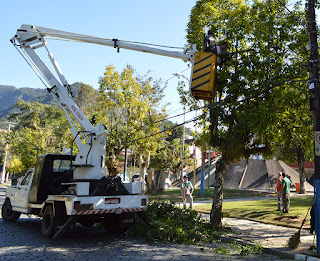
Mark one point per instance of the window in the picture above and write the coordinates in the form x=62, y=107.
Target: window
x=61, y=165
x=26, y=179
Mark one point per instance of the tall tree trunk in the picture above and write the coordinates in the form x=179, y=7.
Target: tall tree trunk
x=159, y=178
x=300, y=160
x=143, y=165
x=216, y=211
x=149, y=180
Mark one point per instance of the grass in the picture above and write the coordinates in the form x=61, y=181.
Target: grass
x=174, y=195
x=265, y=210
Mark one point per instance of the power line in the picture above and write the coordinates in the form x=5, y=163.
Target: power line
x=165, y=130
x=295, y=17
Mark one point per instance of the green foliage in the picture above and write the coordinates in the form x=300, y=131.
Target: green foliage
x=39, y=129
x=169, y=156
x=169, y=223
x=246, y=250
x=128, y=105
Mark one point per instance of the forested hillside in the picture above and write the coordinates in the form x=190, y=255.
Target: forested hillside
x=9, y=95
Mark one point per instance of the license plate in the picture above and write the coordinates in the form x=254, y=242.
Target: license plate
x=112, y=200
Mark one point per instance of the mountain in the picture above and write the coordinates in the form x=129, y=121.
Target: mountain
x=9, y=95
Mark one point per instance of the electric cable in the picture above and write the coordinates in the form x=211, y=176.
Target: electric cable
x=295, y=17
x=165, y=130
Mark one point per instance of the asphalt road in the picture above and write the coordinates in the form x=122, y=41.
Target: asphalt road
x=23, y=241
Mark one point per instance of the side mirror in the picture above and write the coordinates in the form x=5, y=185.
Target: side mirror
x=14, y=182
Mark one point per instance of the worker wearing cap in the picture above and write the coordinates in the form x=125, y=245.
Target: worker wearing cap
x=186, y=191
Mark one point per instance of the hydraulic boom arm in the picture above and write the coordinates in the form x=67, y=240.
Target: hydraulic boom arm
x=89, y=162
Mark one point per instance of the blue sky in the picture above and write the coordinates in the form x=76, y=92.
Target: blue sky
x=158, y=22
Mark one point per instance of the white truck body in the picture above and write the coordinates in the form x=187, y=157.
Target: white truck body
x=19, y=197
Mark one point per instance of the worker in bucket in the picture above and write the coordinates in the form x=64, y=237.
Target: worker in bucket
x=186, y=191
x=220, y=50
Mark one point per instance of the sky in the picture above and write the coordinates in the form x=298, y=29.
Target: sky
x=157, y=22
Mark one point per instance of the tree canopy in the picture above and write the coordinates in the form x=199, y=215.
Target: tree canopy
x=129, y=106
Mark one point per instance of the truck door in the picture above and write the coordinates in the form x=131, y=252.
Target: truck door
x=21, y=195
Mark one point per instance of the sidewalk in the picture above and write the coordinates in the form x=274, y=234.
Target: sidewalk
x=271, y=237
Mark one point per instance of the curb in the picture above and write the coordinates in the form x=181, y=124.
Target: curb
x=305, y=258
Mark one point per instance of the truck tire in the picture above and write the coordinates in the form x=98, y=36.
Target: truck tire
x=48, y=222
x=7, y=213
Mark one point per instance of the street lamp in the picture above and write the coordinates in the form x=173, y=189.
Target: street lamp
x=184, y=119
x=194, y=150
x=181, y=75
x=125, y=150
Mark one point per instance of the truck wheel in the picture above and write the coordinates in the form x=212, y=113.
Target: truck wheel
x=48, y=222
x=7, y=213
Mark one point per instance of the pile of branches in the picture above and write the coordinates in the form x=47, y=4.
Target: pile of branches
x=164, y=222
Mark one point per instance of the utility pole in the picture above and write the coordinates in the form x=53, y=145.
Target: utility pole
x=314, y=88
x=183, y=138
x=203, y=173
x=125, y=164
x=195, y=156
x=209, y=170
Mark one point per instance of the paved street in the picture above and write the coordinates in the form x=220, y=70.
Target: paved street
x=23, y=241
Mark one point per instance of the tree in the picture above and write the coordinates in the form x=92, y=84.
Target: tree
x=128, y=106
x=291, y=133
x=169, y=157
x=245, y=86
x=85, y=99
x=39, y=129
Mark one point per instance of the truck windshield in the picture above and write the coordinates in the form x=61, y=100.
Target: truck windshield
x=61, y=165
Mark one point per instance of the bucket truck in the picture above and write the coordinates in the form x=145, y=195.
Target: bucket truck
x=67, y=189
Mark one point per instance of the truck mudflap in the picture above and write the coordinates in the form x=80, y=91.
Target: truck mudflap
x=109, y=211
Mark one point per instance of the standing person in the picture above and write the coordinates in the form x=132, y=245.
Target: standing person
x=186, y=191
x=279, y=190
x=286, y=183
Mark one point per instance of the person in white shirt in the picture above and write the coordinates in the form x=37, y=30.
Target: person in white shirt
x=186, y=191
